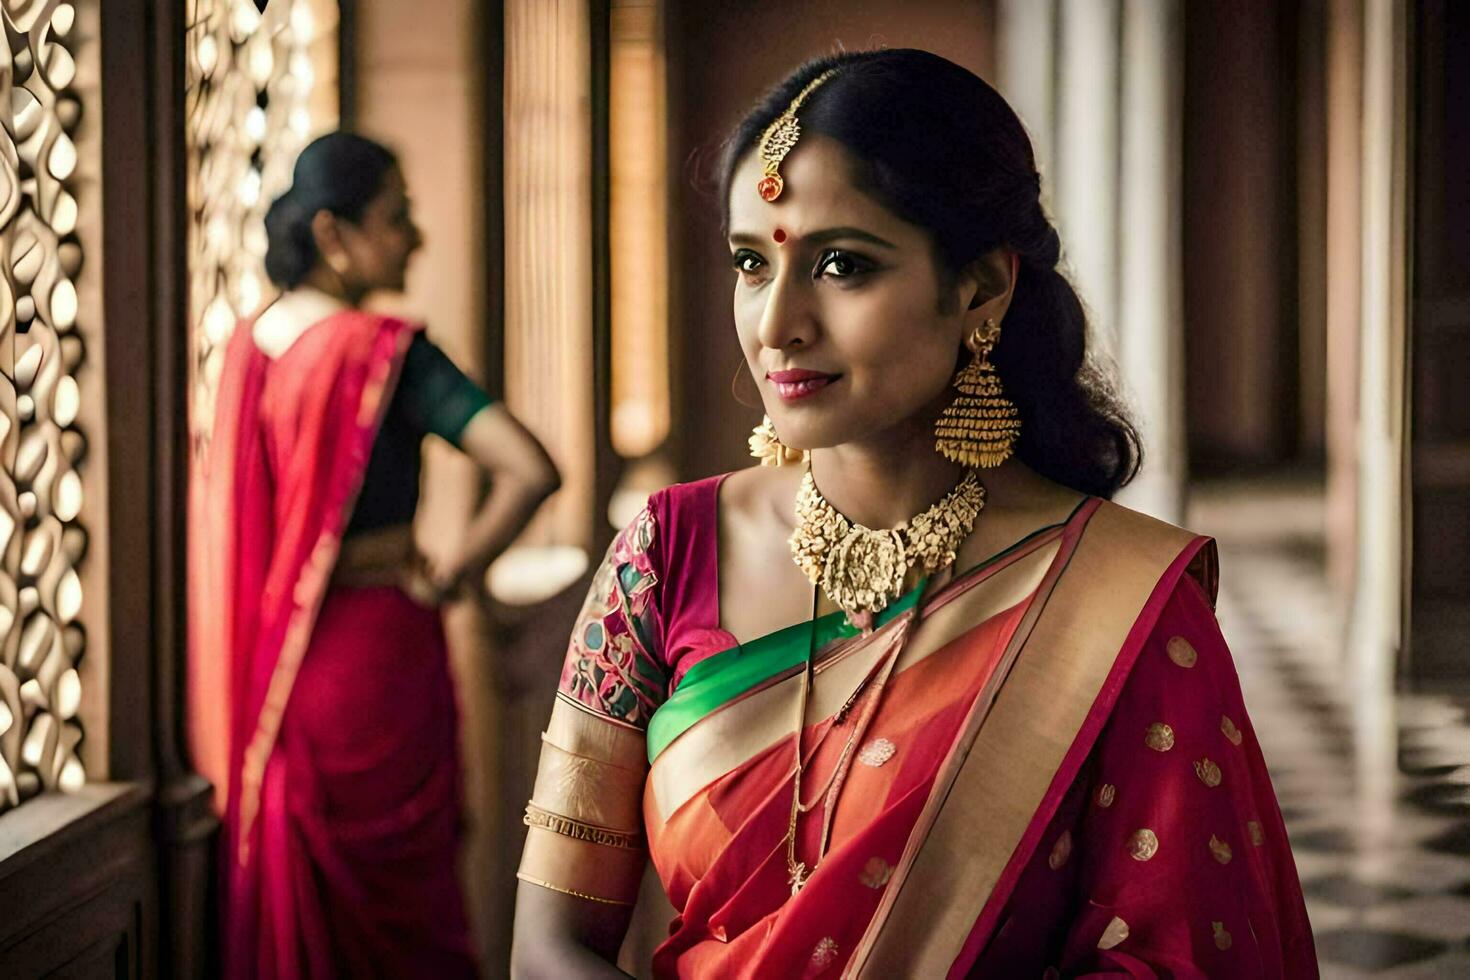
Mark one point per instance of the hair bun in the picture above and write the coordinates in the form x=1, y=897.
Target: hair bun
x=290, y=248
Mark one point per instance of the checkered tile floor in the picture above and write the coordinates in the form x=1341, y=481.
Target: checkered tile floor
x=1382, y=845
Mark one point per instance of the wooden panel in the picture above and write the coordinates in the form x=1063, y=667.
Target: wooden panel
x=145, y=357
x=1240, y=293
x=1441, y=542
x=1441, y=395
x=1311, y=177
x=80, y=900
x=1439, y=615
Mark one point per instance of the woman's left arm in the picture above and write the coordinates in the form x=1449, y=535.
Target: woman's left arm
x=521, y=477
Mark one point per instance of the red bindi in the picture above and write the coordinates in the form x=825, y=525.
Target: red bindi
x=779, y=236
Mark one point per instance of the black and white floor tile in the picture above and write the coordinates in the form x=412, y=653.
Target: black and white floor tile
x=1381, y=836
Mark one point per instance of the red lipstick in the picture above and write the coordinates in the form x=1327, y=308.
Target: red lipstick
x=796, y=383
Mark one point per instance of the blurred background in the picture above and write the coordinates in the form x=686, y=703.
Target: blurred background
x=1258, y=202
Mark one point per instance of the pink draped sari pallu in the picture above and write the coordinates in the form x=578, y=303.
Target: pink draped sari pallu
x=1059, y=779
x=325, y=714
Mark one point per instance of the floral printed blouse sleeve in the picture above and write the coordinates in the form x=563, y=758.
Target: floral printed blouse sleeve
x=614, y=668
x=585, y=819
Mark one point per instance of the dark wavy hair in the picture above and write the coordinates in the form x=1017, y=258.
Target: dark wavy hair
x=339, y=173
x=941, y=149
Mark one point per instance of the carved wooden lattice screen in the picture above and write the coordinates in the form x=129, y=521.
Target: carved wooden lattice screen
x=258, y=88
x=41, y=539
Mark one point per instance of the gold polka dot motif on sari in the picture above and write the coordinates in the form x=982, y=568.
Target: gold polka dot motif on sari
x=1106, y=793
x=1114, y=934
x=1060, y=851
x=824, y=955
x=1143, y=844
x=1182, y=652
x=1228, y=728
x=1253, y=827
x=1222, y=937
x=1159, y=737
x=1220, y=850
x=876, y=873
x=877, y=752
x=1208, y=772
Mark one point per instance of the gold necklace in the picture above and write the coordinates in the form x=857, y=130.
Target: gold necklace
x=861, y=569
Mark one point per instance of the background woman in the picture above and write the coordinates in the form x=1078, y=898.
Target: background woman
x=927, y=705
x=342, y=821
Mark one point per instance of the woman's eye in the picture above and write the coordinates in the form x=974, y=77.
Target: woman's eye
x=747, y=263
x=841, y=265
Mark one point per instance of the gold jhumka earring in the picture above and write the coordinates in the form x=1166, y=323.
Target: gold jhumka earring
x=778, y=139
x=980, y=427
x=767, y=447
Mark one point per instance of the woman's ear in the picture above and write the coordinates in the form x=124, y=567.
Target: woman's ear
x=327, y=234
x=994, y=279
x=990, y=282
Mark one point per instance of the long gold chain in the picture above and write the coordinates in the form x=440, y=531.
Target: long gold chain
x=797, y=871
x=852, y=698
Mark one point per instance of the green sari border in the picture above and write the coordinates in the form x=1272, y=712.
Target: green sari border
x=721, y=678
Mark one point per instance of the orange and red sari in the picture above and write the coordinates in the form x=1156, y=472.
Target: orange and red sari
x=1057, y=777
x=324, y=714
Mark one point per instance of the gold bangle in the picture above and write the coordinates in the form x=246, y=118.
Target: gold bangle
x=577, y=830
x=568, y=891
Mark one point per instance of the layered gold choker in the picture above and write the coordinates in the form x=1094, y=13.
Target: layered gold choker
x=861, y=569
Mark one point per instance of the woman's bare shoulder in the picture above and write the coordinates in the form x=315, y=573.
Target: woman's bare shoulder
x=292, y=314
x=759, y=496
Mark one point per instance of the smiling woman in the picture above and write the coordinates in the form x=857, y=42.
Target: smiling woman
x=929, y=705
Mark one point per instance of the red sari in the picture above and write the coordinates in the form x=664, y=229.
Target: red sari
x=1049, y=770
x=326, y=713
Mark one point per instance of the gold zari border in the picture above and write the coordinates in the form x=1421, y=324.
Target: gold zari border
x=1004, y=762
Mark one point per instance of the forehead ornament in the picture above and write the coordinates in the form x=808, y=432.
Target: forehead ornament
x=779, y=139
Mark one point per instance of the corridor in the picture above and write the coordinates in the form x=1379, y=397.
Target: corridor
x=1383, y=851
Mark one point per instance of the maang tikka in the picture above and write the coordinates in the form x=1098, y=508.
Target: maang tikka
x=980, y=427
x=779, y=138
x=776, y=142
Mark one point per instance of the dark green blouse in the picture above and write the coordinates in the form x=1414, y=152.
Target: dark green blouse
x=433, y=396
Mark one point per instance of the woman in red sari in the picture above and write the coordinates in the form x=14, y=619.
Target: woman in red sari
x=321, y=702
x=926, y=704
